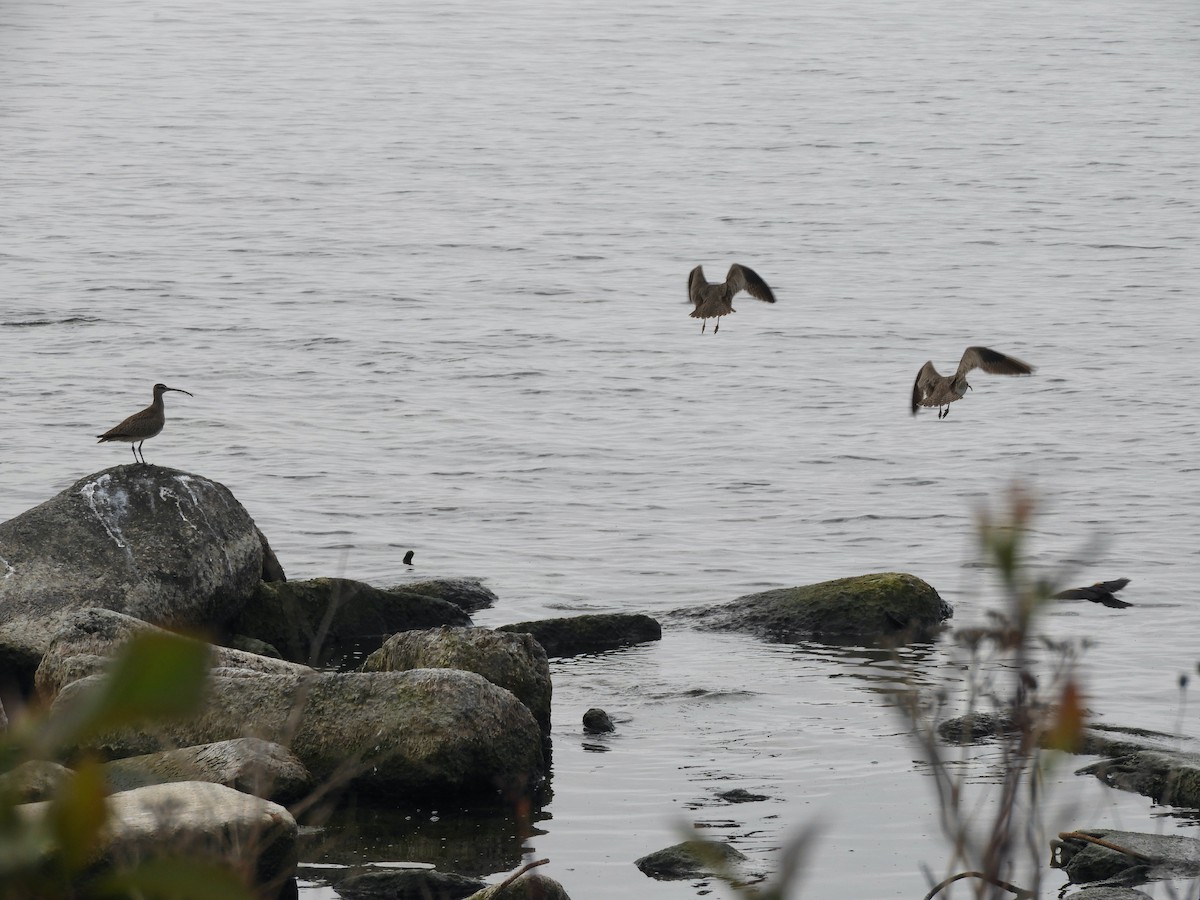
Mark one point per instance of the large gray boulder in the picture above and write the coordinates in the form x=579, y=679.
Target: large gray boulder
x=468, y=594
x=329, y=620
x=88, y=640
x=1125, y=857
x=196, y=821
x=529, y=886
x=165, y=546
x=885, y=604
x=515, y=662
x=425, y=731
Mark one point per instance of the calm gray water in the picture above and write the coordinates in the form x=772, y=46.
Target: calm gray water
x=424, y=269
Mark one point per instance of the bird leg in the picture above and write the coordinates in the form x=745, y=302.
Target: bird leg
x=134, y=449
x=717, y=327
x=140, y=451
x=703, y=325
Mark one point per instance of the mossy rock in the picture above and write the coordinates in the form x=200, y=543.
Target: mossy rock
x=883, y=604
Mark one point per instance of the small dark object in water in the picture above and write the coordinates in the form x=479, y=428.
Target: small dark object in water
x=1100, y=592
x=597, y=721
x=741, y=795
x=408, y=558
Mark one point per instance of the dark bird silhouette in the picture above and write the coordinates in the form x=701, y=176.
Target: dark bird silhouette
x=1100, y=592
x=715, y=300
x=934, y=389
x=142, y=426
x=408, y=558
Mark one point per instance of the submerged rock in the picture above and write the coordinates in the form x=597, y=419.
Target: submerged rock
x=249, y=765
x=530, y=886
x=515, y=662
x=196, y=821
x=1165, y=777
x=974, y=728
x=468, y=594
x=573, y=635
x=406, y=884
x=1131, y=858
x=690, y=860
x=326, y=620
x=165, y=546
x=889, y=603
x=597, y=721
x=89, y=639
x=421, y=732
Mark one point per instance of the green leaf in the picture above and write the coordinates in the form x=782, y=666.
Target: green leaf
x=167, y=878
x=77, y=814
x=156, y=676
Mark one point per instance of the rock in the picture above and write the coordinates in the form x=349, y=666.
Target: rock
x=1109, y=893
x=515, y=662
x=406, y=884
x=1142, y=857
x=890, y=603
x=1120, y=740
x=975, y=728
x=530, y=886
x=197, y=821
x=573, y=635
x=249, y=765
x=33, y=781
x=690, y=860
x=164, y=546
x=251, y=645
x=89, y=638
x=1168, y=778
x=420, y=732
x=468, y=594
x=741, y=795
x=328, y=620
x=597, y=721
x=271, y=570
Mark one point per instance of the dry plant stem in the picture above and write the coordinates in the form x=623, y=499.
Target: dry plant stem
x=521, y=871
x=1021, y=893
x=1100, y=842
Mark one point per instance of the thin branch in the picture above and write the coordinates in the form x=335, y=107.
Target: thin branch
x=1021, y=893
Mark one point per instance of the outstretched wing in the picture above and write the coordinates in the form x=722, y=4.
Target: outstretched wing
x=1100, y=592
x=991, y=361
x=927, y=374
x=696, y=285
x=742, y=279
x=1111, y=586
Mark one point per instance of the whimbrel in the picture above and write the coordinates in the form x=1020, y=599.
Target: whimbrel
x=142, y=426
x=934, y=389
x=715, y=300
x=1100, y=592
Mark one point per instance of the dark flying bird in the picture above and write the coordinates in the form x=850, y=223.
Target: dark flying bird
x=715, y=300
x=1100, y=592
x=142, y=426
x=934, y=389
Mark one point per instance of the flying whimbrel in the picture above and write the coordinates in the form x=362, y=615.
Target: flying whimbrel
x=933, y=389
x=142, y=426
x=1100, y=592
x=715, y=300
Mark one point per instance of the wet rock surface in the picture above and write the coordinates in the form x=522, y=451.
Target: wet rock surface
x=324, y=621
x=406, y=884
x=690, y=859
x=597, y=721
x=530, y=886
x=573, y=635
x=1130, y=858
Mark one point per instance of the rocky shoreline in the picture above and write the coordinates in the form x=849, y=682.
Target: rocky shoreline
x=292, y=720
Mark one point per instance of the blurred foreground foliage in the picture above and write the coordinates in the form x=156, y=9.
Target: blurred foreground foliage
x=54, y=850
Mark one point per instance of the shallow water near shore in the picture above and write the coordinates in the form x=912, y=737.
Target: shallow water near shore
x=424, y=270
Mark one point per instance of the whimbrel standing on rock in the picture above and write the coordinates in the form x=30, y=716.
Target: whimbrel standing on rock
x=715, y=300
x=933, y=389
x=142, y=426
